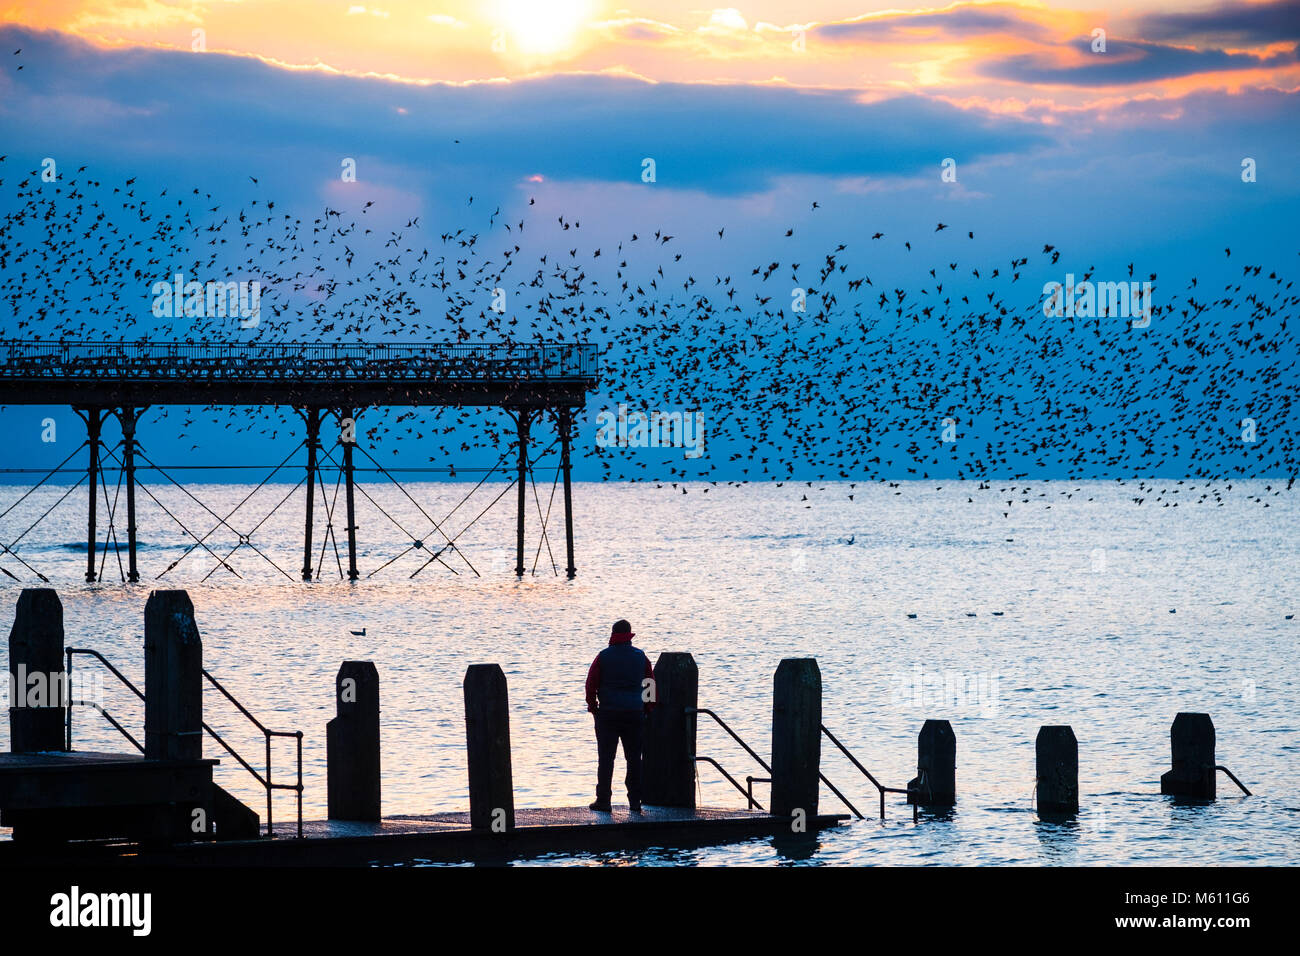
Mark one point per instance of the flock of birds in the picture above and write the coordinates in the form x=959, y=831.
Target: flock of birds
x=859, y=387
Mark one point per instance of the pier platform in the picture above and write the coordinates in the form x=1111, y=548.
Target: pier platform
x=440, y=837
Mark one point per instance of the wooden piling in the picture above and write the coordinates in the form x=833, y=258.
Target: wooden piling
x=38, y=684
x=935, y=783
x=1057, y=753
x=796, y=736
x=487, y=737
x=352, y=744
x=668, y=768
x=173, y=678
x=1192, y=742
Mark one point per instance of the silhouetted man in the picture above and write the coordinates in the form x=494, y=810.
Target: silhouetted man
x=620, y=697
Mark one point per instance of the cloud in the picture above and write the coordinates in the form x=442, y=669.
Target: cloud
x=1254, y=23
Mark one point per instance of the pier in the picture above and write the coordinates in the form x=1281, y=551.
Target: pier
x=529, y=383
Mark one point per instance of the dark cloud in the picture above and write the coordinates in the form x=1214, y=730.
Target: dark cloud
x=1127, y=62
x=223, y=110
x=1254, y=23
x=958, y=22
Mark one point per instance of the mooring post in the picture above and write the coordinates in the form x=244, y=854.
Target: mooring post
x=566, y=440
x=935, y=783
x=173, y=678
x=522, y=421
x=1192, y=741
x=1057, y=757
x=94, y=420
x=668, y=768
x=312, y=415
x=487, y=737
x=127, y=416
x=39, y=690
x=352, y=744
x=796, y=737
x=349, y=438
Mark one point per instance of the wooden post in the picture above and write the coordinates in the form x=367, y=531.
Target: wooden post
x=173, y=678
x=796, y=737
x=936, y=766
x=352, y=744
x=37, y=682
x=1057, y=753
x=487, y=737
x=668, y=770
x=1192, y=741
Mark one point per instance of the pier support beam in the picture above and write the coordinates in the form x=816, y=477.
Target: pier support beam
x=348, y=426
x=936, y=766
x=352, y=744
x=129, y=416
x=173, y=678
x=312, y=415
x=1057, y=754
x=668, y=770
x=566, y=440
x=523, y=418
x=94, y=419
x=37, y=709
x=487, y=737
x=796, y=737
x=1192, y=741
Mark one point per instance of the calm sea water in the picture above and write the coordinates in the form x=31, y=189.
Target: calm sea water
x=1072, y=604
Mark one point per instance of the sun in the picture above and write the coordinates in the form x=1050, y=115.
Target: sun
x=543, y=27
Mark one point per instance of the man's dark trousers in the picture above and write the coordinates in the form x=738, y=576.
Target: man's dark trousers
x=611, y=727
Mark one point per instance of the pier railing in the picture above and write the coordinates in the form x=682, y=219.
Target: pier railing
x=245, y=361
x=264, y=780
x=749, y=790
x=867, y=773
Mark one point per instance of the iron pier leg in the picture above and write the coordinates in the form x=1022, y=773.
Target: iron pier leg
x=566, y=429
x=313, y=416
x=523, y=421
x=352, y=511
x=94, y=421
x=127, y=416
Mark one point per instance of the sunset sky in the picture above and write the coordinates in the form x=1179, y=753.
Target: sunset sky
x=753, y=114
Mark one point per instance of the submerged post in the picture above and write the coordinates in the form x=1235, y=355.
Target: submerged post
x=352, y=744
x=127, y=416
x=796, y=737
x=312, y=416
x=173, y=678
x=348, y=425
x=487, y=738
x=566, y=439
x=1057, y=758
x=522, y=421
x=1192, y=741
x=935, y=783
x=668, y=768
x=94, y=420
x=39, y=691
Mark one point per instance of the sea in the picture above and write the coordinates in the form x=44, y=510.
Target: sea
x=998, y=606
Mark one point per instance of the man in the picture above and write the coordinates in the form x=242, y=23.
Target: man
x=620, y=686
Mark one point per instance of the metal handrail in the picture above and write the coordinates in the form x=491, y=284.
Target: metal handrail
x=762, y=763
x=1233, y=778
x=265, y=781
x=268, y=734
x=867, y=773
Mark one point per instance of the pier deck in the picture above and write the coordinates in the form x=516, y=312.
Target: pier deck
x=445, y=837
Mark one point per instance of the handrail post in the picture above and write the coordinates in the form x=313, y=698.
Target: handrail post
x=270, y=829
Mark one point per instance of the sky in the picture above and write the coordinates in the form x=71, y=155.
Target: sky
x=1113, y=133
